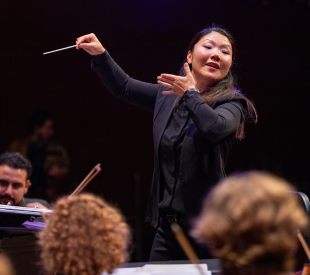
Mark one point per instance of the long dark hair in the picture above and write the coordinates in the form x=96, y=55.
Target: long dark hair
x=227, y=87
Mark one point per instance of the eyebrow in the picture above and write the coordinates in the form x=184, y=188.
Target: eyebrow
x=225, y=44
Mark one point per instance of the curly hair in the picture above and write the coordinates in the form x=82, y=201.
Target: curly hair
x=84, y=236
x=249, y=221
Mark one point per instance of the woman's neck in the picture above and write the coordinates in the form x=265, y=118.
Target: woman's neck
x=202, y=84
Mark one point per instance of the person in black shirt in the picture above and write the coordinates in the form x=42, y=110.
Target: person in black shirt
x=197, y=116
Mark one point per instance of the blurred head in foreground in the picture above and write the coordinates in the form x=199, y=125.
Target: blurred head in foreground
x=6, y=267
x=84, y=235
x=249, y=221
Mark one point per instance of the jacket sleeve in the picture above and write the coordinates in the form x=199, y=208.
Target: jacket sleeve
x=215, y=124
x=121, y=85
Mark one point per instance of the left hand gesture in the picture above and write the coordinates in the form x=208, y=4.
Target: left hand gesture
x=179, y=84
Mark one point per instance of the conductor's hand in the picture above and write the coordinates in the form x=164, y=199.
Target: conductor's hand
x=90, y=44
x=179, y=84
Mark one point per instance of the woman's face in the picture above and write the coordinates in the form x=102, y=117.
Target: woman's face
x=211, y=59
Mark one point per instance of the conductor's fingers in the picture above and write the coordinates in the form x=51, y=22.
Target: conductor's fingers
x=86, y=38
x=169, y=76
x=90, y=44
x=187, y=69
x=165, y=84
x=165, y=79
x=87, y=45
x=169, y=92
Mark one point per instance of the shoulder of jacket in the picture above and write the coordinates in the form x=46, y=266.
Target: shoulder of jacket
x=236, y=99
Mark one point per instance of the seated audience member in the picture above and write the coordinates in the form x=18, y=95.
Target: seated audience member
x=50, y=161
x=6, y=267
x=249, y=221
x=84, y=235
x=15, y=171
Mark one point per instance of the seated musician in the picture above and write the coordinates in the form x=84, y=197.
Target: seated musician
x=84, y=235
x=249, y=221
x=15, y=171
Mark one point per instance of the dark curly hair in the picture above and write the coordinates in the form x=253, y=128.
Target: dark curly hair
x=84, y=236
x=17, y=161
x=249, y=221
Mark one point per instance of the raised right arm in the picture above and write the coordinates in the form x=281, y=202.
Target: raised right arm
x=115, y=79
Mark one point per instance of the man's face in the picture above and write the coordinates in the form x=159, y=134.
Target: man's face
x=13, y=184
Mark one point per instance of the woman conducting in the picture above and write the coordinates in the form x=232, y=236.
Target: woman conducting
x=197, y=116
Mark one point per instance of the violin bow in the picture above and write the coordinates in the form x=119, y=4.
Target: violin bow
x=87, y=180
x=303, y=243
x=185, y=245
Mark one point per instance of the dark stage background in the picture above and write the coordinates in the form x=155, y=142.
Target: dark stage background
x=146, y=38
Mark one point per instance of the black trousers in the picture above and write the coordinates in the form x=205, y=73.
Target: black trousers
x=166, y=248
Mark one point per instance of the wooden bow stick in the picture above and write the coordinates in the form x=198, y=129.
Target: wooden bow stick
x=87, y=180
x=185, y=245
x=303, y=243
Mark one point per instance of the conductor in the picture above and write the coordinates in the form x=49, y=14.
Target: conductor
x=197, y=116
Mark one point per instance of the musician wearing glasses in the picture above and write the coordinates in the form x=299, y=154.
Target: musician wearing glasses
x=15, y=171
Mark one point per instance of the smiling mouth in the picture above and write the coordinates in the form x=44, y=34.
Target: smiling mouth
x=213, y=66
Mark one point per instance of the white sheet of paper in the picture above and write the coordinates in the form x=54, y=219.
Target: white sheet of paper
x=175, y=269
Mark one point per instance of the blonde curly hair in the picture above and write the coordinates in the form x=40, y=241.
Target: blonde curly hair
x=249, y=221
x=84, y=236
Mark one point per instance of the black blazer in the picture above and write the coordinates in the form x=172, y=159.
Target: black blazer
x=207, y=141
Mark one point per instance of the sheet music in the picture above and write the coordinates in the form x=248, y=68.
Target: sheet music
x=23, y=210
x=163, y=269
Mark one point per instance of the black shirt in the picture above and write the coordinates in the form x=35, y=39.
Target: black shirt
x=205, y=140
x=170, y=148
